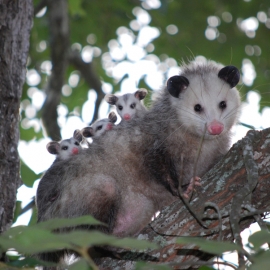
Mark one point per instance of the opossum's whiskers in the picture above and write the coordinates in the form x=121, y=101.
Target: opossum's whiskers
x=235, y=110
x=191, y=112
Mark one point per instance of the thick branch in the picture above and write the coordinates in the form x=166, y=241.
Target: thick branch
x=91, y=78
x=59, y=37
x=220, y=185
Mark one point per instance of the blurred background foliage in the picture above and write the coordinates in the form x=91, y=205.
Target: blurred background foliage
x=107, y=34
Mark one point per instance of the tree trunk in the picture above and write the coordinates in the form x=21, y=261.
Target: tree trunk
x=224, y=189
x=15, y=24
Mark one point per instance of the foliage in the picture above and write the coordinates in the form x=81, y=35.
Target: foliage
x=26, y=240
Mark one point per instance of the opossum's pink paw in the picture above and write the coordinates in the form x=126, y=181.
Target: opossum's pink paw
x=194, y=181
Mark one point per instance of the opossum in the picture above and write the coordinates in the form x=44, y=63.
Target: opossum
x=128, y=105
x=100, y=126
x=128, y=175
x=66, y=148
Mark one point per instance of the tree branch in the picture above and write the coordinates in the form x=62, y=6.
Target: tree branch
x=15, y=25
x=59, y=36
x=89, y=75
x=219, y=186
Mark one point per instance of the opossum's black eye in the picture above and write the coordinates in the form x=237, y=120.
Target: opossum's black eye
x=197, y=108
x=222, y=105
x=76, y=143
x=133, y=105
x=99, y=127
x=120, y=107
x=64, y=148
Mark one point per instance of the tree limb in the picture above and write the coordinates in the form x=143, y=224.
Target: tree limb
x=220, y=185
x=59, y=42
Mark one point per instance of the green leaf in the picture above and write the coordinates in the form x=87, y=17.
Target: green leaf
x=259, y=238
x=213, y=247
x=261, y=261
x=18, y=209
x=28, y=262
x=27, y=175
x=75, y=7
x=93, y=238
x=28, y=240
x=67, y=222
x=79, y=265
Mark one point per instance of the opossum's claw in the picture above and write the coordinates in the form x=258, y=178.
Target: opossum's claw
x=194, y=181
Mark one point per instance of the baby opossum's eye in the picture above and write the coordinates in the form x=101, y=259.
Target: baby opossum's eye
x=222, y=105
x=120, y=107
x=99, y=127
x=198, y=108
x=64, y=148
x=76, y=143
x=133, y=105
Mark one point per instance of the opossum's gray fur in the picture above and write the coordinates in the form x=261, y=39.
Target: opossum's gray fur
x=131, y=172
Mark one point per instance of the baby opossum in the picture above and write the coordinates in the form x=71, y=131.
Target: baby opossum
x=128, y=105
x=100, y=126
x=66, y=148
x=128, y=175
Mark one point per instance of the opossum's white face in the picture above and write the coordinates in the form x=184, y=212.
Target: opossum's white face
x=127, y=106
x=101, y=126
x=207, y=101
x=65, y=149
x=69, y=148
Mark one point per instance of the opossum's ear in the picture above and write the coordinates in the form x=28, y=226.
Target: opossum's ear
x=140, y=94
x=77, y=135
x=230, y=74
x=53, y=148
x=112, y=117
x=176, y=84
x=87, y=132
x=111, y=99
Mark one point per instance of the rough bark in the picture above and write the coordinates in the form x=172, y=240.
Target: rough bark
x=15, y=24
x=224, y=182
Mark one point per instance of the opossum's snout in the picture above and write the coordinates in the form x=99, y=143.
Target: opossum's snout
x=109, y=126
x=75, y=151
x=215, y=127
x=126, y=116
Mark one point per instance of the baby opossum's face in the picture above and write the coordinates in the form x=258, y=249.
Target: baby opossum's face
x=207, y=100
x=101, y=126
x=65, y=149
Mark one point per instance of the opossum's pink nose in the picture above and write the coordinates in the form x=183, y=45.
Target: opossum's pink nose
x=75, y=151
x=215, y=128
x=109, y=126
x=127, y=116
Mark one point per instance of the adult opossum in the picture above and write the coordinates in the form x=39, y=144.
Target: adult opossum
x=134, y=170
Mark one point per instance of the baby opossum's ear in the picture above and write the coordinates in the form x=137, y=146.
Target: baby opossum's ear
x=112, y=117
x=230, y=74
x=77, y=135
x=53, y=148
x=176, y=84
x=87, y=132
x=140, y=94
x=111, y=99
